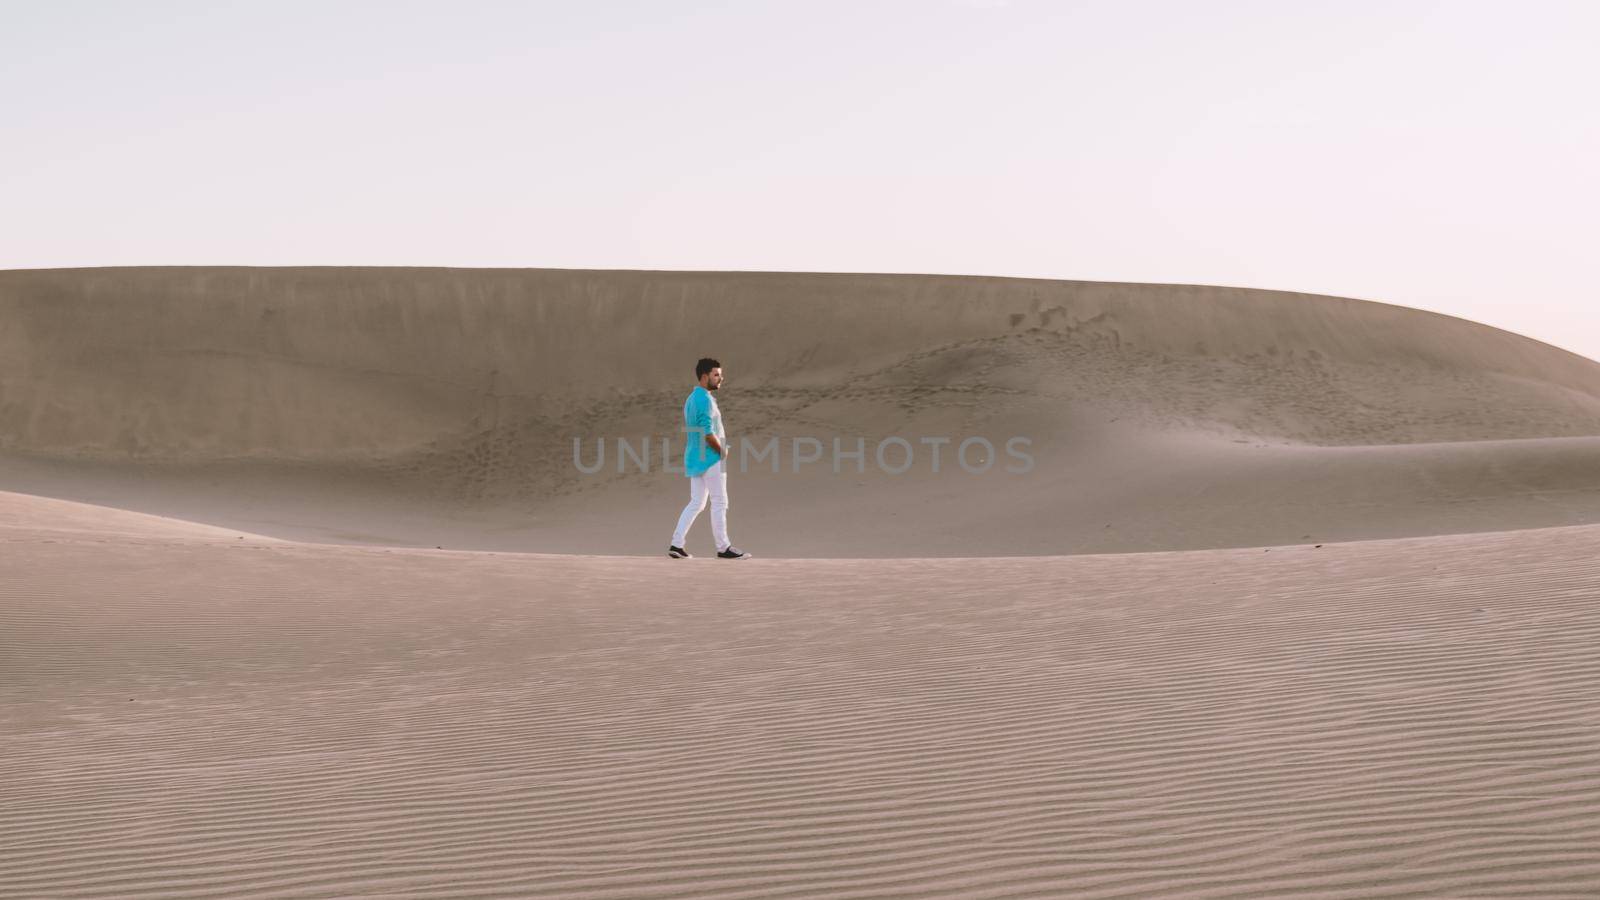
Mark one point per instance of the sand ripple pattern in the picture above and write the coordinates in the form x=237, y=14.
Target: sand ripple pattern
x=184, y=717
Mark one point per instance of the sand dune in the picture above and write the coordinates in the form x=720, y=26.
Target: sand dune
x=190, y=714
x=977, y=691
x=437, y=407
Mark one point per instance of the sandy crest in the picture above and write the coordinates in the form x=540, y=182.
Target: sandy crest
x=196, y=714
x=438, y=408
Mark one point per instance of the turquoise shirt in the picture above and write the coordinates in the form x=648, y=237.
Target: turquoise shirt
x=700, y=418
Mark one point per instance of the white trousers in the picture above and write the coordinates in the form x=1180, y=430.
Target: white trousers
x=712, y=485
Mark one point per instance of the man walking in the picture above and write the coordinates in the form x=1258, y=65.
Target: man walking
x=704, y=456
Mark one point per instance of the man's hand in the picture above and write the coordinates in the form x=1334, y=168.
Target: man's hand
x=715, y=444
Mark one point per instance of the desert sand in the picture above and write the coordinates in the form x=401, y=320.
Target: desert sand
x=1300, y=597
x=438, y=408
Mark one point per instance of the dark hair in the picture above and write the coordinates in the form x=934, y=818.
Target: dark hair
x=704, y=366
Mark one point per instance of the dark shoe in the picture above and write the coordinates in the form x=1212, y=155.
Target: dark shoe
x=679, y=553
x=733, y=553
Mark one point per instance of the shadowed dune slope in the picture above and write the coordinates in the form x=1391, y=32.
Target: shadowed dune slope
x=45, y=519
x=194, y=715
x=453, y=396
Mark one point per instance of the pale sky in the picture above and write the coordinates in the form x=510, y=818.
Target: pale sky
x=1441, y=155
